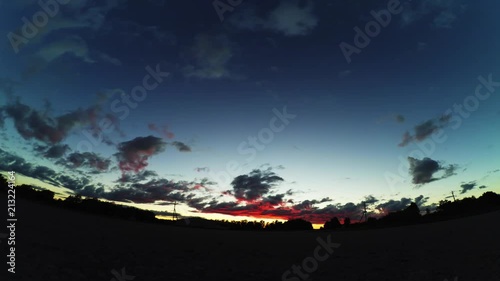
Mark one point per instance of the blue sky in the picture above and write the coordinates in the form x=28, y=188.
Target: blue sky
x=411, y=116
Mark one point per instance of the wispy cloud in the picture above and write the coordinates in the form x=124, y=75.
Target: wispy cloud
x=442, y=12
x=425, y=130
x=289, y=18
x=209, y=57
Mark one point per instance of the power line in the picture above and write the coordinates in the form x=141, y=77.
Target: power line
x=364, y=214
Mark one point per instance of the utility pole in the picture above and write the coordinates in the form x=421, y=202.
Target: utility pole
x=174, y=215
x=453, y=194
x=364, y=213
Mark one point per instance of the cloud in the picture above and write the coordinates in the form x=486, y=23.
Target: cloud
x=93, y=14
x=422, y=171
x=309, y=204
x=421, y=200
x=132, y=31
x=442, y=12
x=254, y=197
x=55, y=151
x=399, y=118
x=288, y=18
x=209, y=57
x=150, y=192
x=370, y=199
x=89, y=160
x=73, y=183
x=166, y=133
x=467, y=186
x=12, y=162
x=136, y=178
x=33, y=124
x=73, y=45
x=278, y=207
x=253, y=186
x=425, y=130
x=107, y=58
x=292, y=20
x=202, y=169
x=133, y=155
x=470, y=186
x=182, y=147
x=393, y=205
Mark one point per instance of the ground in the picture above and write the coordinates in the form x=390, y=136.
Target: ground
x=56, y=244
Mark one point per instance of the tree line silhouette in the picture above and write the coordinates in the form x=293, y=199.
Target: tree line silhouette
x=488, y=202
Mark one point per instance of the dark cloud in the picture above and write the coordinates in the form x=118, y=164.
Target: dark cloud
x=393, y=205
x=150, y=192
x=33, y=124
x=277, y=207
x=370, y=200
x=88, y=160
x=254, y=185
x=401, y=204
x=274, y=200
x=133, y=155
x=136, y=178
x=182, y=147
x=11, y=162
x=421, y=200
x=467, y=186
x=309, y=204
x=54, y=151
x=202, y=169
x=73, y=183
x=470, y=186
x=425, y=130
x=422, y=171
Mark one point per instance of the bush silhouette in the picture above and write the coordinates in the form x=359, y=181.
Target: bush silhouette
x=334, y=223
x=347, y=222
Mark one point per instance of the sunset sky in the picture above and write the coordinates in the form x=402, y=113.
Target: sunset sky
x=254, y=111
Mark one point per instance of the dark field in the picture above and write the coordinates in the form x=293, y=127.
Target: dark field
x=57, y=244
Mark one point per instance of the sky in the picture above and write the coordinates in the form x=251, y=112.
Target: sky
x=253, y=109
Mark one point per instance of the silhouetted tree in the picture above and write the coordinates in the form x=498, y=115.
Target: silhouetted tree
x=4, y=184
x=371, y=221
x=297, y=224
x=347, y=222
x=333, y=223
